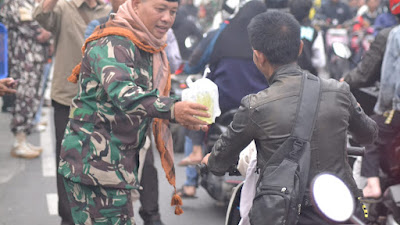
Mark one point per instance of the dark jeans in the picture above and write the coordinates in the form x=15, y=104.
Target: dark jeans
x=380, y=150
x=149, y=195
x=61, y=114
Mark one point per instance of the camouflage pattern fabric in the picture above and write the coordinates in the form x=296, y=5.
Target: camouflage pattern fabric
x=27, y=58
x=110, y=115
x=95, y=205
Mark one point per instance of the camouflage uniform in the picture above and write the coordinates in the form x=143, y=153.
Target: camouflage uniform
x=110, y=115
x=27, y=58
x=107, y=205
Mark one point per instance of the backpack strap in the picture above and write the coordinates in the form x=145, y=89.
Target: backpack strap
x=307, y=108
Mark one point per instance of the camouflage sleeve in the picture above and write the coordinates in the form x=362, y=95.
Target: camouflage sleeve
x=125, y=80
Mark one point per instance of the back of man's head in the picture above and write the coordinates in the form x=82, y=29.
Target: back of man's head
x=276, y=4
x=277, y=35
x=300, y=9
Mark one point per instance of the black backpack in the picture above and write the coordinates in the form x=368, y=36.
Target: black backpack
x=282, y=183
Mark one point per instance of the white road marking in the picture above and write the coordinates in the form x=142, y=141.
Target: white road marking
x=52, y=203
x=47, y=142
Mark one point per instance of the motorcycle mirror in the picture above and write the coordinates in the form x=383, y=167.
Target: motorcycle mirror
x=341, y=50
x=332, y=197
x=190, y=41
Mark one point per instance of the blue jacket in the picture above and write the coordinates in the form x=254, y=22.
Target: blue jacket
x=389, y=92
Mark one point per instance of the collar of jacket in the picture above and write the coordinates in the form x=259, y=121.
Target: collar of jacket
x=79, y=3
x=288, y=69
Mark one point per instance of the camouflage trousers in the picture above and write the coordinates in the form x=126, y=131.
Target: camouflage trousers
x=95, y=205
x=27, y=99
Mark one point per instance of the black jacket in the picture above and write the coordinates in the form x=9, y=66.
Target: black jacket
x=268, y=118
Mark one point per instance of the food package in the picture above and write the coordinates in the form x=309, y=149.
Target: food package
x=205, y=92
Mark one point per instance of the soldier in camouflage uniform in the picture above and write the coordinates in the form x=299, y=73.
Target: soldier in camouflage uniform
x=28, y=53
x=120, y=93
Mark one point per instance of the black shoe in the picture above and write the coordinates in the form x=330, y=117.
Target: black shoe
x=157, y=222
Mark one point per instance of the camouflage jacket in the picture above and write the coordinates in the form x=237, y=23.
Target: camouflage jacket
x=110, y=114
x=16, y=15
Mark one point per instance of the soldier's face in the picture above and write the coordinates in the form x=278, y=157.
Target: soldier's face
x=157, y=15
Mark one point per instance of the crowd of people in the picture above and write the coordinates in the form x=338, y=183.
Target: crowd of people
x=111, y=78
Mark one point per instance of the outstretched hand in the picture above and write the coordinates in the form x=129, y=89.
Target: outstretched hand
x=186, y=112
x=6, y=86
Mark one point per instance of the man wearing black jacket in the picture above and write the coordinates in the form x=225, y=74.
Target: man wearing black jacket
x=268, y=117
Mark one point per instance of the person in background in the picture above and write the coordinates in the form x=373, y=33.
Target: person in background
x=385, y=19
x=187, y=30
x=124, y=84
x=6, y=86
x=228, y=52
x=335, y=12
x=369, y=12
x=67, y=21
x=268, y=117
x=313, y=56
x=387, y=114
x=28, y=53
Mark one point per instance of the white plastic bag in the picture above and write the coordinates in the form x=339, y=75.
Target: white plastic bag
x=205, y=92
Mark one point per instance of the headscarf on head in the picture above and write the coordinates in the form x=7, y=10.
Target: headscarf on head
x=127, y=19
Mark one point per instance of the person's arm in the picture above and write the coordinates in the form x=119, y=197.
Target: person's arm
x=363, y=129
x=239, y=134
x=48, y=14
x=114, y=68
x=369, y=69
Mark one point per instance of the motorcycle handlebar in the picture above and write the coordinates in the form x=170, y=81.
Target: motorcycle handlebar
x=355, y=151
x=233, y=171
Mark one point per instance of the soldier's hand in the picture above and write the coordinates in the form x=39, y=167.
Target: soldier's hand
x=185, y=113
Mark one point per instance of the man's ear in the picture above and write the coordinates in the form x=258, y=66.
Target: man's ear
x=260, y=57
x=301, y=47
x=135, y=3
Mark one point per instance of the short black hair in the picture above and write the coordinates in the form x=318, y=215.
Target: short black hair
x=276, y=4
x=277, y=35
x=300, y=9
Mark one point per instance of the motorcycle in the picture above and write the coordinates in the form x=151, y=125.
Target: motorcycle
x=335, y=33
x=335, y=201
x=233, y=213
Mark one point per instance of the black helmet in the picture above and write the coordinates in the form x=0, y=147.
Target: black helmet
x=276, y=4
